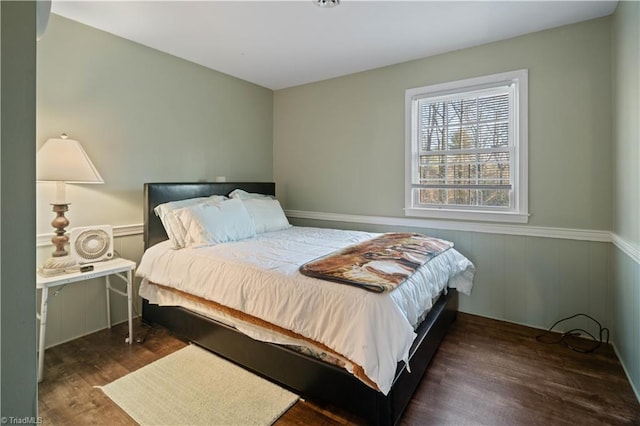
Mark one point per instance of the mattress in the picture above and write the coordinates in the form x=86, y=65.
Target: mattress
x=259, y=277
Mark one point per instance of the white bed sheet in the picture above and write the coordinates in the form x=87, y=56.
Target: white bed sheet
x=260, y=277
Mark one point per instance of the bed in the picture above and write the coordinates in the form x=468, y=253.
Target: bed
x=308, y=376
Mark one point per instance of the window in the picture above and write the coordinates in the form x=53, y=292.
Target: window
x=466, y=149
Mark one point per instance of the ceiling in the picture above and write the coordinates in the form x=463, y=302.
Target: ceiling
x=279, y=44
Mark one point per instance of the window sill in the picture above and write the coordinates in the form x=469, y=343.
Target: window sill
x=481, y=216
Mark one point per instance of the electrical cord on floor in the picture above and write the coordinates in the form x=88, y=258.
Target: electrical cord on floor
x=575, y=332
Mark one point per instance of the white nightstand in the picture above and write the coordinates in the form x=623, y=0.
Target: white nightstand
x=121, y=268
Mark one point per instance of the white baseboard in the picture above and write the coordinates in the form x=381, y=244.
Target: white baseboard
x=626, y=371
x=615, y=349
x=90, y=332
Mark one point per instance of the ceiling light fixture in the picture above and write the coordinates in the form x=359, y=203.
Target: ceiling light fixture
x=326, y=3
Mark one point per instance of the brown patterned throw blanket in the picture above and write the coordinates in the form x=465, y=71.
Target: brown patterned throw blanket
x=380, y=264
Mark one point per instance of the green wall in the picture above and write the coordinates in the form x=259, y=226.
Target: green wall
x=339, y=149
x=142, y=116
x=18, y=391
x=337, y=146
x=626, y=186
x=525, y=280
x=339, y=143
x=626, y=122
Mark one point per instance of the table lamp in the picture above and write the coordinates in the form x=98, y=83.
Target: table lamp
x=62, y=160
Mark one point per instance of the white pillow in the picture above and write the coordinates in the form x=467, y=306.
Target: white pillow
x=244, y=195
x=175, y=230
x=215, y=222
x=267, y=214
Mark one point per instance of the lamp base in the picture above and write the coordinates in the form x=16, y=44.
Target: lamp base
x=60, y=222
x=57, y=266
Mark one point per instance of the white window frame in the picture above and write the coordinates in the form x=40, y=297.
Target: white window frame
x=517, y=212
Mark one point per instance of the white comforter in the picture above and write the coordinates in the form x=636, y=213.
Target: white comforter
x=260, y=277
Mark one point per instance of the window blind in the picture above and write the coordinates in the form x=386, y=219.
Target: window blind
x=464, y=151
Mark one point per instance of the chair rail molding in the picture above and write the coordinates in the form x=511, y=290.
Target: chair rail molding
x=450, y=225
x=630, y=249
x=43, y=240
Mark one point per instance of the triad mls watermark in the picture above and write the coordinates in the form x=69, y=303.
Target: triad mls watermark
x=29, y=420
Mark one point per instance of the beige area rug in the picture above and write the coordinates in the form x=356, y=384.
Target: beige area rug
x=195, y=387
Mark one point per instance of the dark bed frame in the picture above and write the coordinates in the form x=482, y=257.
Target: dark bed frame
x=310, y=378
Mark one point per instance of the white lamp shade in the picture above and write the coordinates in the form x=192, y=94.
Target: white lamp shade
x=64, y=160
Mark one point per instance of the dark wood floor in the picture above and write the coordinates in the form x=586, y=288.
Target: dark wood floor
x=486, y=372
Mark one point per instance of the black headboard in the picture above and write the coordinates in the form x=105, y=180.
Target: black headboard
x=158, y=193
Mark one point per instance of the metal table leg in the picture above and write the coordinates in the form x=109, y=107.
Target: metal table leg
x=43, y=331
